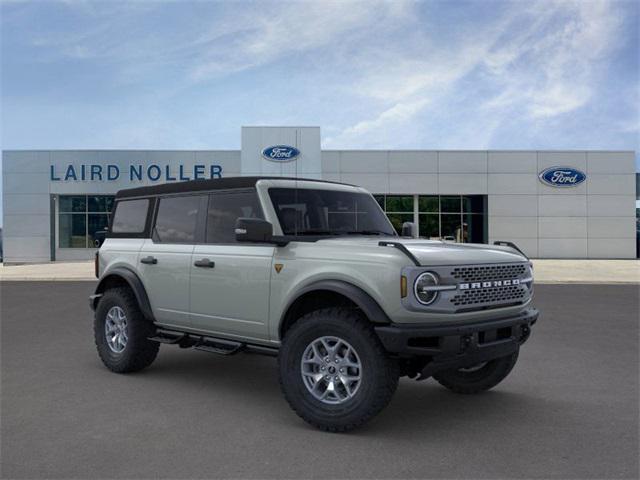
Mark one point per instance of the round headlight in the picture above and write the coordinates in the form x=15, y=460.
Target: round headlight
x=422, y=290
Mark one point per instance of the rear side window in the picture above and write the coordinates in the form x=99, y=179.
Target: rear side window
x=177, y=219
x=225, y=209
x=130, y=216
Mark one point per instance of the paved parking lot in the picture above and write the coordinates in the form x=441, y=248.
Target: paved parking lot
x=569, y=409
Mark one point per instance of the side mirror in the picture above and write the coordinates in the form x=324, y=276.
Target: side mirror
x=408, y=229
x=253, y=230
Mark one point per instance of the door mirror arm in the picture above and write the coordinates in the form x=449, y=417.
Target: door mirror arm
x=257, y=230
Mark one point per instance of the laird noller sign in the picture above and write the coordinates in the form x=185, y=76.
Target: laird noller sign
x=152, y=172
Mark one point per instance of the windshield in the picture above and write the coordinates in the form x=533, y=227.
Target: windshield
x=328, y=212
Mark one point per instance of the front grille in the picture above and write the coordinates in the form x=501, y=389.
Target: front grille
x=482, y=273
x=495, y=295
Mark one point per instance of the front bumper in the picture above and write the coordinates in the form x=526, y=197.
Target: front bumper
x=460, y=345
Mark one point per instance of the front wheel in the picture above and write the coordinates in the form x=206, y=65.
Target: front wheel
x=477, y=378
x=333, y=370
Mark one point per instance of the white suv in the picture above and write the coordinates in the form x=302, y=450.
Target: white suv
x=314, y=273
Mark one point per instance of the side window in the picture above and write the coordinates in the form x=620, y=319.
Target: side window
x=176, y=219
x=130, y=216
x=225, y=209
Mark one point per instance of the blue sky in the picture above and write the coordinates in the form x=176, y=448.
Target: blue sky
x=448, y=75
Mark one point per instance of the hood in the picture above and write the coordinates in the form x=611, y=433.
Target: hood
x=436, y=252
x=443, y=253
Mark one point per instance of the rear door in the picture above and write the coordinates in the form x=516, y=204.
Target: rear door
x=230, y=280
x=165, y=259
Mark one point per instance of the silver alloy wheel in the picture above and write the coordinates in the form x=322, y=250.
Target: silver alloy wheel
x=331, y=370
x=115, y=329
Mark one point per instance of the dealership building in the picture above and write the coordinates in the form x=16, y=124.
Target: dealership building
x=552, y=204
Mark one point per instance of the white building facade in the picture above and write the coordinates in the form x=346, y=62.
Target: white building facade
x=552, y=204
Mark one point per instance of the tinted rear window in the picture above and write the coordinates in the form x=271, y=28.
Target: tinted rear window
x=177, y=218
x=130, y=216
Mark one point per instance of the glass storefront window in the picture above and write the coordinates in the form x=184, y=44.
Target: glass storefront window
x=474, y=226
x=451, y=225
x=457, y=218
x=429, y=226
x=100, y=203
x=80, y=217
x=96, y=223
x=450, y=204
x=73, y=230
x=429, y=204
x=399, y=204
x=397, y=219
x=75, y=203
x=474, y=204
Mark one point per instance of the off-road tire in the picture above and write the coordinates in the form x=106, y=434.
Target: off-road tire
x=379, y=373
x=487, y=377
x=139, y=352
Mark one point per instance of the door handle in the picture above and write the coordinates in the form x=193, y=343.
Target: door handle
x=149, y=260
x=204, y=263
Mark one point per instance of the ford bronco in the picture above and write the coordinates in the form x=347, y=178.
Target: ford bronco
x=314, y=273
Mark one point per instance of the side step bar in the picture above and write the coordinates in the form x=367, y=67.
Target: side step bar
x=221, y=346
x=167, y=337
x=218, y=345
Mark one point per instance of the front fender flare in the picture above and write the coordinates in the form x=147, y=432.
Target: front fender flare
x=362, y=299
x=134, y=282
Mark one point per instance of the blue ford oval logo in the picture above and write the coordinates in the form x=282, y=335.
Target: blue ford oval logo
x=562, y=176
x=280, y=153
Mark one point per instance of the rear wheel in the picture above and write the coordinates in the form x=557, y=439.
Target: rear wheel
x=477, y=378
x=121, y=332
x=333, y=370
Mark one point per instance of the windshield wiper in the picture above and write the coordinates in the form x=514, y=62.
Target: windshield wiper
x=369, y=232
x=316, y=232
x=340, y=232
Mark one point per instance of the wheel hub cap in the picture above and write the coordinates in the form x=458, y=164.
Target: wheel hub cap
x=115, y=329
x=331, y=370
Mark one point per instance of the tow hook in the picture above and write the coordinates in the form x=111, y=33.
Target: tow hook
x=526, y=331
x=465, y=341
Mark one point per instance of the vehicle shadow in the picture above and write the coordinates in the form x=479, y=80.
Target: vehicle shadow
x=253, y=381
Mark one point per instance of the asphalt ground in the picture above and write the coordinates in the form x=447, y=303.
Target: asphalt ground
x=568, y=410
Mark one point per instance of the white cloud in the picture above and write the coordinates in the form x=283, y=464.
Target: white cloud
x=400, y=112
x=261, y=37
x=232, y=37
x=540, y=60
x=373, y=73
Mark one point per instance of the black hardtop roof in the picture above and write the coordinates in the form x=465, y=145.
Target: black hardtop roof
x=204, y=185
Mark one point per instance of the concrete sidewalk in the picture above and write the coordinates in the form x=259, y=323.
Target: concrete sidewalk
x=55, y=271
x=545, y=271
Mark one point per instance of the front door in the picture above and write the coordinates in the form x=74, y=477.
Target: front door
x=165, y=259
x=229, y=280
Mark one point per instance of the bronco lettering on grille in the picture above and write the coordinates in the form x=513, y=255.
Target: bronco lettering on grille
x=494, y=283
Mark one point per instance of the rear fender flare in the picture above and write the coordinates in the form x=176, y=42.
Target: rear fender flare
x=133, y=281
